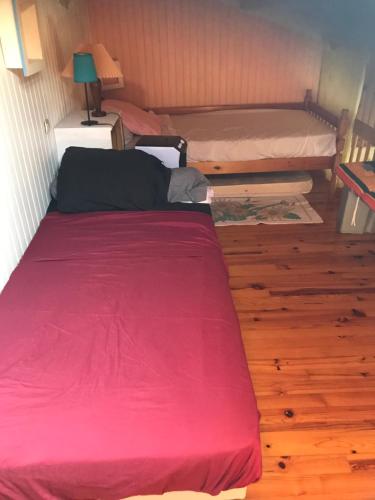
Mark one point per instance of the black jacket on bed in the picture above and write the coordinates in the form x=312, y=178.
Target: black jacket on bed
x=105, y=179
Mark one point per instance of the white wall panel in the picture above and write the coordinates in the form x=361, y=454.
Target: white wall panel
x=202, y=52
x=28, y=156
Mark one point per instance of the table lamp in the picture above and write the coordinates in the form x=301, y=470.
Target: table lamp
x=105, y=66
x=84, y=72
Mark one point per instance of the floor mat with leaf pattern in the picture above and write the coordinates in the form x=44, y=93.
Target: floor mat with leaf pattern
x=263, y=210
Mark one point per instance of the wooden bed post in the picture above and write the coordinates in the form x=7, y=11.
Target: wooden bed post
x=308, y=99
x=342, y=129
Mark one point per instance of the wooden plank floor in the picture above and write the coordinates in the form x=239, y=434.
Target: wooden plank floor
x=305, y=296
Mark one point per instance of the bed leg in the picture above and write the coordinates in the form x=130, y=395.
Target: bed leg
x=333, y=184
x=342, y=129
x=308, y=99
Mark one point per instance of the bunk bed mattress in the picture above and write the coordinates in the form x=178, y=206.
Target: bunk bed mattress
x=252, y=134
x=122, y=367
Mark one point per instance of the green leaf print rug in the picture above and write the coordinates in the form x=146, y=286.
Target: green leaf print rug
x=263, y=210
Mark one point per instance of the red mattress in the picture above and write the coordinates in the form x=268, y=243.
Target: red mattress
x=122, y=370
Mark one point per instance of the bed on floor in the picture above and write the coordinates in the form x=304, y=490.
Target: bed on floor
x=122, y=366
x=259, y=137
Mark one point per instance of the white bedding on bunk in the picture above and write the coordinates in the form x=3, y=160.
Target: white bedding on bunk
x=251, y=134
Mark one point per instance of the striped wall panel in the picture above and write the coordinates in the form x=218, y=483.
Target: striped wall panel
x=366, y=111
x=202, y=52
x=27, y=154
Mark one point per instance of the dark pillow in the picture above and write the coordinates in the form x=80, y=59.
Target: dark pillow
x=105, y=179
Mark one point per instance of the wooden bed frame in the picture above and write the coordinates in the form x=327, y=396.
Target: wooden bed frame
x=363, y=142
x=339, y=123
x=235, y=494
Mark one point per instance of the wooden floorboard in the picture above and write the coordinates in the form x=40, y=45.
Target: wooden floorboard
x=305, y=297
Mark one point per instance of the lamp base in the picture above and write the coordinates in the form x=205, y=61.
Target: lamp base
x=89, y=122
x=98, y=112
x=96, y=92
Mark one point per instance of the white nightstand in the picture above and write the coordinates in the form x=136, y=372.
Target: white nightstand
x=107, y=134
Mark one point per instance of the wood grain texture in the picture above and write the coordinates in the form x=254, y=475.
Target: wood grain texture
x=202, y=52
x=265, y=165
x=305, y=297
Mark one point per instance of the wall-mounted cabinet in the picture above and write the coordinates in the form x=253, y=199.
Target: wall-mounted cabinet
x=19, y=36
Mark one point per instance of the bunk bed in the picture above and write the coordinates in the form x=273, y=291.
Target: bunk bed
x=122, y=366
x=317, y=134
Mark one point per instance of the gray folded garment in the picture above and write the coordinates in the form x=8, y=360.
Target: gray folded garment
x=187, y=184
x=53, y=188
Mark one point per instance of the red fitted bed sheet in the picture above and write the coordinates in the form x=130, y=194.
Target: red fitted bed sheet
x=122, y=370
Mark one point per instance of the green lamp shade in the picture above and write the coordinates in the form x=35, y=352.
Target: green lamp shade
x=84, y=68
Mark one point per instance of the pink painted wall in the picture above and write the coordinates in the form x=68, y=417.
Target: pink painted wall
x=201, y=52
